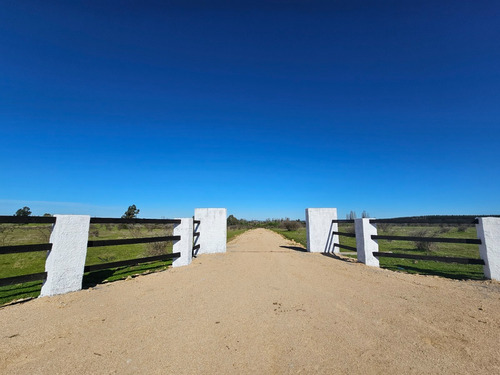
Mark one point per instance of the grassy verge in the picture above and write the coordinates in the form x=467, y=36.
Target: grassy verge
x=299, y=235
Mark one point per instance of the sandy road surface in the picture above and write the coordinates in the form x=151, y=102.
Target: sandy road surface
x=261, y=308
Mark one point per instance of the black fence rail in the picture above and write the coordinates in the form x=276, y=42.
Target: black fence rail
x=473, y=241
x=431, y=257
x=345, y=247
x=110, y=220
x=130, y=241
x=429, y=220
x=27, y=220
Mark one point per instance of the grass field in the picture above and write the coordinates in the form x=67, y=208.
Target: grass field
x=449, y=270
x=34, y=262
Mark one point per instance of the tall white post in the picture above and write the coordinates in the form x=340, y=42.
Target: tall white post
x=320, y=228
x=66, y=261
x=488, y=231
x=185, y=244
x=212, y=229
x=364, y=244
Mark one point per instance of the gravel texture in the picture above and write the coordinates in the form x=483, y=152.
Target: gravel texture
x=264, y=307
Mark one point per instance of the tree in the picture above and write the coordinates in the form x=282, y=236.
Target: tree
x=25, y=211
x=365, y=214
x=131, y=213
x=352, y=215
x=231, y=220
x=47, y=215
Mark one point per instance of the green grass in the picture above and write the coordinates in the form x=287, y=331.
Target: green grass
x=448, y=270
x=34, y=262
x=299, y=236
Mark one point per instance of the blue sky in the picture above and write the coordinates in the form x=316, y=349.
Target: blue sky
x=392, y=107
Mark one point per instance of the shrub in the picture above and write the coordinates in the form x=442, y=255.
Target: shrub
x=156, y=248
x=290, y=225
x=423, y=245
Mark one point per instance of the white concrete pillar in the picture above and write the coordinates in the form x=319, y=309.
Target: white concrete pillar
x=319, y=228
x=364, y=244
x=185, y=244
x=66, y=260
x=488, y=231
x=213, y=230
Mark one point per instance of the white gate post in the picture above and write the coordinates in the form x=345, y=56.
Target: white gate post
x=212, y=229
x=185, y=244
x=320, y=228
x=488, y=231
x=66, y=260
x=364, y=243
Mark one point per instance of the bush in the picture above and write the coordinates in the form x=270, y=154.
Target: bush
x=156, y=248
x=424, y=245
x=290, y=225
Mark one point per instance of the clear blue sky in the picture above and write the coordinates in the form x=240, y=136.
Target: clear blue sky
x=264, y=108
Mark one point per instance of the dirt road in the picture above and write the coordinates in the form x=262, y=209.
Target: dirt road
x=264, y=307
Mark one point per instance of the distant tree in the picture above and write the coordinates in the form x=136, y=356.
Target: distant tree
x=47, y=215
x=25, y=211
x=231, y=220
x=365, y=214
x=131, y=213
x=352, y=215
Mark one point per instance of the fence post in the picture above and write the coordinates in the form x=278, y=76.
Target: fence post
x=66, y=261
x=212, y=229
x=364, y=243
x=185, y=244
x=488, y=231
x=320, y=228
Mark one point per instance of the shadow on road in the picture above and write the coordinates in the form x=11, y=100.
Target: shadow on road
x=296, y=248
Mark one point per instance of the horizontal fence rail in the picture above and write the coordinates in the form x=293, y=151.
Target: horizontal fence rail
x=345, y=247
x=431, y=257
x=130, y=262
x=340, y=221
x=25, y=248
x=23, y=279
x=27, y=219
x=345, y=234
x=473, y=241
x=129, y=241
x=428, y=220
x=110, y=220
